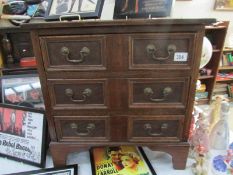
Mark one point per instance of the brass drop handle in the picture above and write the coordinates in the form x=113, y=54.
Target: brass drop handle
x=84, y=52
x=148, y=128
x=86, y=93
x=151, y=50
x=89, y=129
x=166, y=92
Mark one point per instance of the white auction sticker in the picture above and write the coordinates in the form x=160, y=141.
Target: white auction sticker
x=181, y=56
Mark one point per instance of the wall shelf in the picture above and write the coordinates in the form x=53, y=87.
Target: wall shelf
x=216, y=34
x=216, y=50
x=225, y=68
x=205, y=77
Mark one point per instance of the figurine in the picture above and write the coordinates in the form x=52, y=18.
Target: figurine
x=199, y=142
x=223, y=165
x=195, y=114
x=201, y=133
x=219, y=136
x=201, y=165
x=214, y=112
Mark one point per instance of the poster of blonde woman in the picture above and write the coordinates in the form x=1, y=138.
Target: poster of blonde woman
x=224, y=5
x=120, y=160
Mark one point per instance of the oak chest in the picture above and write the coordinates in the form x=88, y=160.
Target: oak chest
x=119, y=82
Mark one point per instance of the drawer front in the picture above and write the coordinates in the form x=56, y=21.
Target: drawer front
x=74, y=52
x=155, y=128
x=157, y=92
x=73, y=94
x=161, y=50
x=82, y=128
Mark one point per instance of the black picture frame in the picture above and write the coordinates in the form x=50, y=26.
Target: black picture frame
x=22, y=90
x=74, y=9
x=101, y=163
x=23, y=135
x=142, y=9
x=68, y=170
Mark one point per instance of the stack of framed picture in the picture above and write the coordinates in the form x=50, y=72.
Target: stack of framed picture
x=70, y=9
x=142, y=8
x=68, y=170
x=22, y=90
x=23, y=133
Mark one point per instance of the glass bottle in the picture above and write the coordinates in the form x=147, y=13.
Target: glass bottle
x=219, y=136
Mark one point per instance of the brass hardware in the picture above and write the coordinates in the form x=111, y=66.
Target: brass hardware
x=166, y=92
x=86, y=93
x=89, y=129
x=149, y=129
x=151, y=50
x=70, y=16
x=84, y=52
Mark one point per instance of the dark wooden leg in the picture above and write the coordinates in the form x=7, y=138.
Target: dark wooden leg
x=60, y=151
x=179, y=158
x=59, y=155
x=179, y=153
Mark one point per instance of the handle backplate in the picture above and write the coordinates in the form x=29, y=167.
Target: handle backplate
x=88, y=130
x=151, y=50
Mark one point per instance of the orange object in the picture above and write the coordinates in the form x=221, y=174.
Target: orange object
x=28, y=62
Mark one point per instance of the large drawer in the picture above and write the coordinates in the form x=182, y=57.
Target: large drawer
x=148, y=51
x=74, y=52
x=151, y=92
x=82, y=128
x=155, y=128
x=78, y=93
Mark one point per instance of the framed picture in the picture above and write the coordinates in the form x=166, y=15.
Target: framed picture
x=22, y=134
x=116, y=160
x=67, y=170
x=22, y=90
x=142, y=9
x=84, y=8
x=226, y=5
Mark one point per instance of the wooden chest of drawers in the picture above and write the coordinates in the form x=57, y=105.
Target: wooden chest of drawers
x=119, y=82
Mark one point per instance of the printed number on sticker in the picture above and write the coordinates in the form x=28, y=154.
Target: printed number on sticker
x=181, y=56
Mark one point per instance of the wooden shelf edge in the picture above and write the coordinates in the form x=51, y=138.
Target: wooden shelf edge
x=224, y=80
x=205, y=77
x=227, y=49
x=215, y=27
x=16, y=67
x=202, y=101
x=225, y=67
x=216, y=50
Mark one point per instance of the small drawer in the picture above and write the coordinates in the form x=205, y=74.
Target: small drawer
x=155, y=128
x=73, y=94
x=157, y=92
x=82, y=128
x=74, y=52
x=161, y=51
